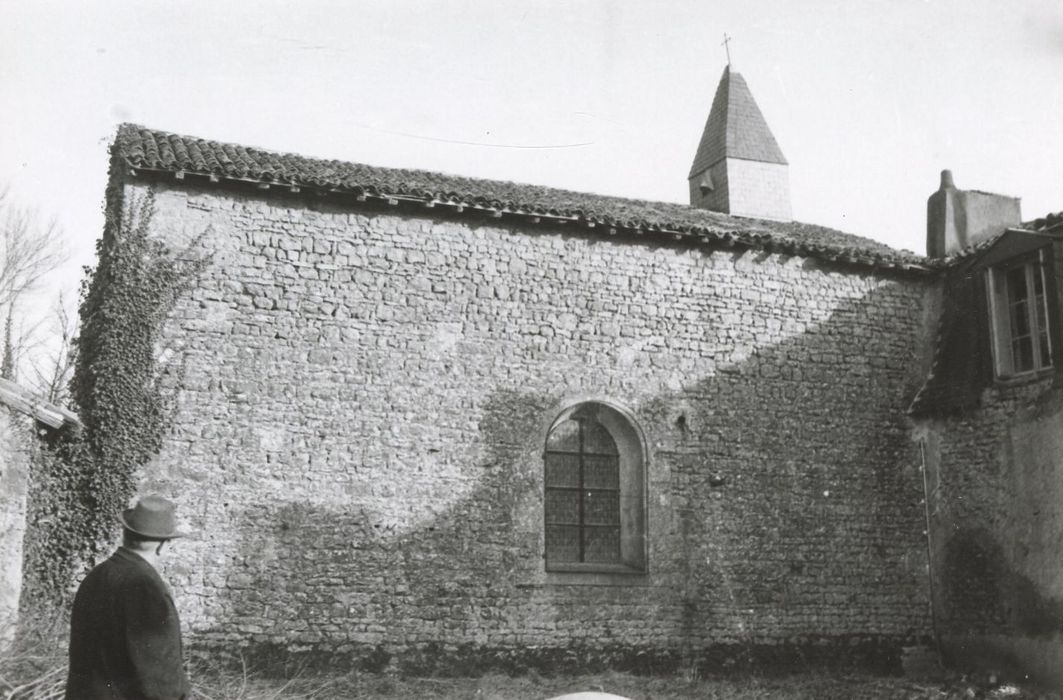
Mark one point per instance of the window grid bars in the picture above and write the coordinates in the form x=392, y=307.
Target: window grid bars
x=1008, y=312
x=581, y=490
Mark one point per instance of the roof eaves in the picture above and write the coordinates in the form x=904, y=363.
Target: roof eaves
x=976, y=250
x=1050, y=222
x=747, y=239
x=965, y=254
x=358, y=181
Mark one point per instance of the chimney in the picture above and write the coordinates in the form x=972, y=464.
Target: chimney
x=957, y=219
x=739, y=168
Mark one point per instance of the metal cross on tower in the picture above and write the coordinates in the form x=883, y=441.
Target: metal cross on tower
x=726, y=47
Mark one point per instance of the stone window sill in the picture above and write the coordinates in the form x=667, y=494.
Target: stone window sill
x=1030, y=377
x=581, y=568
x=590, y=575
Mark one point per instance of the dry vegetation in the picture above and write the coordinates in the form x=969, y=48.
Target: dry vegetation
x=35, y=669
x=810, y=686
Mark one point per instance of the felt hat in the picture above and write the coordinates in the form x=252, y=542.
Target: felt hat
x=153, y=517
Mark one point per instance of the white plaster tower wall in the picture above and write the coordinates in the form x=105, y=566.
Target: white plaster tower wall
x=758, y=190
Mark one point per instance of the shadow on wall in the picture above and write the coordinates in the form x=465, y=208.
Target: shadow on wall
x=811, y=552
x=983, y=595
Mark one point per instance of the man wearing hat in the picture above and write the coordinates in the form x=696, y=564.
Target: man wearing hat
x=125, y=637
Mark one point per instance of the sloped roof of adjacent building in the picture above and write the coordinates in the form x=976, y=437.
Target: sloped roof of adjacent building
x=1051, y=222
x=1048, y=224
x=735, y=128
x=146, y=150
x=962, y=361
x=18, y=398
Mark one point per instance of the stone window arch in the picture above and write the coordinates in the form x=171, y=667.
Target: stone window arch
x=594, y=505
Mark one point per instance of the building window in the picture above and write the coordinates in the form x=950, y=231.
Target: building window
x=1019, y=305
x=593, y=491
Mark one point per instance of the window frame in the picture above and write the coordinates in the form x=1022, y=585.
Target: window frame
x=630, y=445
x=1000, y=303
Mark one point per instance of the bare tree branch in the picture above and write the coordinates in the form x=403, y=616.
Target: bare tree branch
x=53, y=368
x=29, y=250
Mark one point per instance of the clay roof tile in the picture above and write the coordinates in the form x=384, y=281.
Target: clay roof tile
x=155, y=150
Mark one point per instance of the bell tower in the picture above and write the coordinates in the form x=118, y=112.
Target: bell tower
x=739, y=168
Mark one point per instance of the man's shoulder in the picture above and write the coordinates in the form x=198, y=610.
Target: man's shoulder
x=122, y=566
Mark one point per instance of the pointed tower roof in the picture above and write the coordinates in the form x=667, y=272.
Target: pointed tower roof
x=736, y=128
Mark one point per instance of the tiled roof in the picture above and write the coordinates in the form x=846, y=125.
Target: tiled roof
x=736, y=128
x=147, y=150
x=974, y=249
x=1051, y=222
x=961, y=364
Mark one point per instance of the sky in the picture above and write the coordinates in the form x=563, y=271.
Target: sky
x=868, y=99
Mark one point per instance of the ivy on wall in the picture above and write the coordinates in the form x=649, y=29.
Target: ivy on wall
x=82, y=483
x=53, y=545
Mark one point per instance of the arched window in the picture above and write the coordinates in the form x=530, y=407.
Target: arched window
x=594, y=491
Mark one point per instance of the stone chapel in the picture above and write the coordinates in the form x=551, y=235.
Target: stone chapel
x=431, y=421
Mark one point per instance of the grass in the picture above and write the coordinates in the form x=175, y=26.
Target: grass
x=35, y=669
x=805, y=686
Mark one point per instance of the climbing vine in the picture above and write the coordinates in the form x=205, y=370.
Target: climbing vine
x=83, y=482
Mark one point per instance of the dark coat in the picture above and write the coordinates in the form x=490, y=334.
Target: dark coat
x=125, y=637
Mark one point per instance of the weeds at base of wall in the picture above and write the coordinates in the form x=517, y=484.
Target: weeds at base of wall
x=433, y=659
x=80, y=484
x=35, y=669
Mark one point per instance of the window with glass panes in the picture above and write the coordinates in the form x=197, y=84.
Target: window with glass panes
x=1020, y=318
x=582, y=506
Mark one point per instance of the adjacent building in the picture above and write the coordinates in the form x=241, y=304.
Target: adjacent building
x=990, y=425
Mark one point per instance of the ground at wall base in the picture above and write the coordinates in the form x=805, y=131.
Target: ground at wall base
x=838, y=655
x=38, y=666
x=800, y=686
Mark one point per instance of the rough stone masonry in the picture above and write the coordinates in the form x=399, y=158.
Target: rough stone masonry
x=363, y=396
x=16, y=436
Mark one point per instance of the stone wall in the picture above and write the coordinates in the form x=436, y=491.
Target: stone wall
x=995, y=492
x=363, y=397
x=16, y=434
